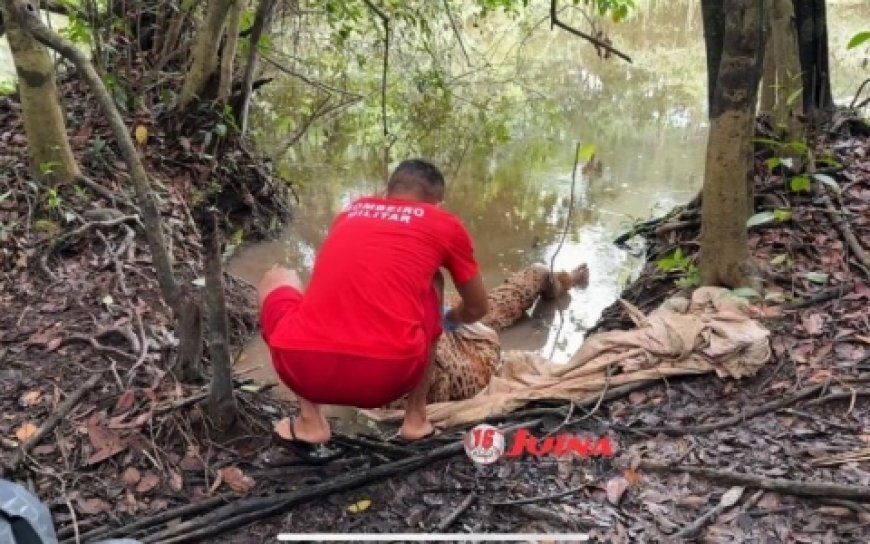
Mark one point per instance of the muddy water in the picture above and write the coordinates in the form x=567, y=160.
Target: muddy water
x=647, y=121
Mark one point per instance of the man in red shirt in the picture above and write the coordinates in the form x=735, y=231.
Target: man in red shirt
x=364, y=332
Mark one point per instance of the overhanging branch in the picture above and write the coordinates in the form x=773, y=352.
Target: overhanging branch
x=554, y=21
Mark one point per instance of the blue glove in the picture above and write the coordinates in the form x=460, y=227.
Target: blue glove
x=446, y=323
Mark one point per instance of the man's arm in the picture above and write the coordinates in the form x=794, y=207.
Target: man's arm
x=474, y=304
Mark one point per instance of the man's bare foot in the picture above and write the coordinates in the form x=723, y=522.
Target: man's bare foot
x=313, y=431
x=416, y=430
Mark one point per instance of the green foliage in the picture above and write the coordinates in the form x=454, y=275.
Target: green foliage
x=858, y=39
x=678, y=262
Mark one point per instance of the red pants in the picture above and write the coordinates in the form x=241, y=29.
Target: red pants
x=347, y=380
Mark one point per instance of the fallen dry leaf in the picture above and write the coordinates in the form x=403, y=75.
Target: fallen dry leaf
x=236, y=479
x=693, y=501
x=93, y=506
x=125, y=401
x=632, y=476
x=813, y=323
x=131, y=476
x=148, y=482
x=26, y=431
x=176, y=482
x=31, y=398
x=44, y=449
x=615, y=488
x=836, y=511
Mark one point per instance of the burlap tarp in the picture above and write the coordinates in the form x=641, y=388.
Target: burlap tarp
x=712, y=332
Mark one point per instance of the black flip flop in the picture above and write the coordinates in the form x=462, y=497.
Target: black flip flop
x=314, y=454
x=398, y=439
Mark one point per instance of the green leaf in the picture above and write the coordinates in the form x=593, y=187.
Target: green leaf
x=761, y=218
x=782, y=215
x=799, y=147
x=817, y=277
x=793, y=96
x=359, y=506
x=220, y=129
x=800, y=183
x=779, y=259
x=586, y=152
x=5, y=195
x=829, y=181
x=252, y=387
x=746, y=292
x=772, y=163
x=858, y=39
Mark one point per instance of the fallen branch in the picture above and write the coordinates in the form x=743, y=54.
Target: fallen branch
x=466, y=503
x=727, y=422
x=49, y=424
x=540, y=498
x=839, y=222
x=840, y=395
x=822, y=296
x=728, y=500
x=153, y=521
x=248, y=510
x=828, y=490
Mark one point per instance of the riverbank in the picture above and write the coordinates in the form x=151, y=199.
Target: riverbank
x=83, y=308
x=804, y=418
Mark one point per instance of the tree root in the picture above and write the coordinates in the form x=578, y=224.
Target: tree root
x=827, y=490
x=49, y=424
x=78, y=232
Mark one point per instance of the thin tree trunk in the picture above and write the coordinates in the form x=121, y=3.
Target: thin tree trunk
x=229, y=53
x=724, y=255
x=183, y=305
x=261, y=22
x=222, y=404
x=713, y=15
x=174, y=32
x=205, y=50
x=812, y=31
x=50, y=152
x=782, y=75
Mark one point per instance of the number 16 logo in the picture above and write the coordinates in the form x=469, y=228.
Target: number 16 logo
x=484, y=444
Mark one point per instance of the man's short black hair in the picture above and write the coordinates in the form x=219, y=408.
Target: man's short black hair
x=416, y=175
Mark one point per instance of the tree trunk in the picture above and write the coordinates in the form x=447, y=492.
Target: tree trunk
x=183, y=306
x=724, y=256
x=170, y=42
x=228, y=56
x=713, y=15
x=782, y=77
x=261, y=21
x=812, y=33
x=50, y=152
x=205, y=50
x=222, y=404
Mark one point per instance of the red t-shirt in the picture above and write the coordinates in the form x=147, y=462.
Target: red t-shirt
x=371, y=279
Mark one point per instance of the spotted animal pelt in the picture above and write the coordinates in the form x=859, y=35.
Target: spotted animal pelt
x=465, y=359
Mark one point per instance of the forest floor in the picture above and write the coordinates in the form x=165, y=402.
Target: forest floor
x=84, y=335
